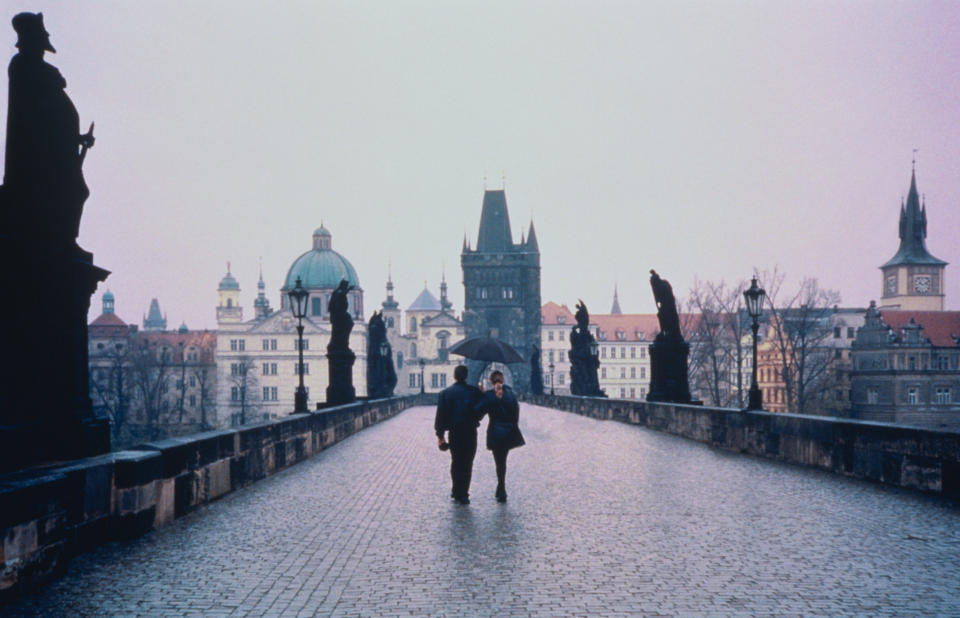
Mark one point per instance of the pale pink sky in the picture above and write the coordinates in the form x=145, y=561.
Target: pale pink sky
x=700, y=139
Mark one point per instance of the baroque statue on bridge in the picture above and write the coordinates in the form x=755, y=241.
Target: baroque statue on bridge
x=340, y=358
x=45, y=415
x=668, y=352
x=583, y=357
x=381, y=375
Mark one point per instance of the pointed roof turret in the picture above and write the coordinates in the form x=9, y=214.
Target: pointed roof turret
x=532, y=244
x=390, y=303
x=615, y=309
x=425, y=302
x=445, y=304
x=154, y=321
x=913, y=232
x=494, y=235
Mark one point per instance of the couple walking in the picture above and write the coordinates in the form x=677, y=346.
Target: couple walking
x=459, y=411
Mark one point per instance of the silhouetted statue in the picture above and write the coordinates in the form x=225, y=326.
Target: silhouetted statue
x=43, y=180
x=583, y=360
x=381, y=375
x=339, y=356
x=536, y=373
x=668, y=352
x=340, y=321
x=666, y=306
x=44, y=415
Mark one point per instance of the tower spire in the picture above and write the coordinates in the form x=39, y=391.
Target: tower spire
x=615, y=309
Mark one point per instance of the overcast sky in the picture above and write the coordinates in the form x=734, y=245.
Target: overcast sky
x=701, y=139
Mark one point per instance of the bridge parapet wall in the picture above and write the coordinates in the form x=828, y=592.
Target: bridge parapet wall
x=48, y=515
x=921, y=459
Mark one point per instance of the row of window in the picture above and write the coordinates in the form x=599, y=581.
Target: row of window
x=941, y=394
x=493, y=292
x=437, y=380
x=269, y=393
x=623, y=372
x=268, y=345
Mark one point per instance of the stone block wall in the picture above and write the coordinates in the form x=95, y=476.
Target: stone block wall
x=48, y=515
x=916, y=458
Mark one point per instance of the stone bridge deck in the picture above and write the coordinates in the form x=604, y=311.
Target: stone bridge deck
x=604, y=519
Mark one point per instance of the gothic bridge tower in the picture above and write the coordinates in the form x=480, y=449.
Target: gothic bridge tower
x=501, y=283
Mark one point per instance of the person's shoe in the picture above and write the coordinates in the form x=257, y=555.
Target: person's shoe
x=501, y=494
x=453, y=496
x=463, y=500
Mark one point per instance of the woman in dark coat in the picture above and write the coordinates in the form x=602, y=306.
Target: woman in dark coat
x=503, y=433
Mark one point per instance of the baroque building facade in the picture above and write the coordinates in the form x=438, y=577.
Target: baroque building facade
x=501, y=282
x=420, y=338
x=906, y=367
x=258, y=359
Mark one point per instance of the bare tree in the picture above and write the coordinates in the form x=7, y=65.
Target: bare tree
x=716, y=335
x=150, y=367
x=800, y=326
x=243, y=377
x=110, y=384
x=205, y=377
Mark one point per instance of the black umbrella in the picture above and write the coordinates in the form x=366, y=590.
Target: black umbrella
x=487, y=349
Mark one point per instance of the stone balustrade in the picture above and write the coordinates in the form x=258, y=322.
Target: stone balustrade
x=916, y=458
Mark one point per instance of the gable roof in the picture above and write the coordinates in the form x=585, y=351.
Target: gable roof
x=551, y=311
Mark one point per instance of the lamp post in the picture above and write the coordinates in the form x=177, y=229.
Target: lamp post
x=421, y=362
x=298, y=306
x=754, y=297
x=551, y=378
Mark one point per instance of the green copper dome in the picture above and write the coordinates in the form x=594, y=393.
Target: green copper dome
x=321, y=267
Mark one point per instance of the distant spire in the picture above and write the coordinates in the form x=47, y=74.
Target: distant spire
x=494, y=235
x=615, y=310
x=390, y=303
x=913, y=228
x=532, y=238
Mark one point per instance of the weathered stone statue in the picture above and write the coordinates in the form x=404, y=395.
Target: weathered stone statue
x=381, y=375
x=536, y=373
x=583, y=361
x=44, y=414
x=339, y=356
x=668, y=352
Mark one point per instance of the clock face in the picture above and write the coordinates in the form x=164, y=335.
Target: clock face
x=921, y=284
x=892, y=285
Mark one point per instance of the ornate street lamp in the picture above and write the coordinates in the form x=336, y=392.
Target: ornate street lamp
x=594, y=348
x=422, y=363
x=551, y=378
x=384, y=349
x=298, y=306
x=755, y=297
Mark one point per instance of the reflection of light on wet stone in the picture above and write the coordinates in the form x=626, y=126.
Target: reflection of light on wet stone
x=603, y=518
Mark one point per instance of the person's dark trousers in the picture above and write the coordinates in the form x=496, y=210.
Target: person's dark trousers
x=500, y=460
x=463, y=448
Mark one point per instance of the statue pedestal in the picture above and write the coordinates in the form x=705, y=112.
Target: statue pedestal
x=340, y=389
x=668, y=371
x=46, y=413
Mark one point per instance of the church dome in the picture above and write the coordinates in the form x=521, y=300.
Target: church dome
x=321, y=267
x=229, y=282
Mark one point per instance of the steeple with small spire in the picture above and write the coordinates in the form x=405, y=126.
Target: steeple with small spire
x=615, y=309
x=261, y=306
x=913, y=278
x=390, y=303
x=445, y=304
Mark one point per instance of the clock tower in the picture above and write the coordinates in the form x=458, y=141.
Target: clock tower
x=913, y=279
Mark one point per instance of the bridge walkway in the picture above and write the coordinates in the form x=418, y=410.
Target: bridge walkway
x=603, y=519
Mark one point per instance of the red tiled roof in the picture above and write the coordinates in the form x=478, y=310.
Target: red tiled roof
x=938, y=326
x=108, y=319
x=633, y=326
x=551, y=310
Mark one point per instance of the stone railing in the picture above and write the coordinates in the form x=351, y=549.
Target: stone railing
x=916, y=458
x=48, y=515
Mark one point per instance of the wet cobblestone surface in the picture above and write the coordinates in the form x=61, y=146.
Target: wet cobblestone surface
x=603, y=519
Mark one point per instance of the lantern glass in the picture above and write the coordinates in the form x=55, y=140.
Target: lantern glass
x=298, y=300
x=754, y=298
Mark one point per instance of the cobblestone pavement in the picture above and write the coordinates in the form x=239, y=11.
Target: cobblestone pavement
x=603, y=519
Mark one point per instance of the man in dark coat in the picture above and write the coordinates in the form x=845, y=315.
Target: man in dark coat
x=456, y=416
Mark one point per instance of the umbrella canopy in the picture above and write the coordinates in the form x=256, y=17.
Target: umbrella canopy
x=487, y=349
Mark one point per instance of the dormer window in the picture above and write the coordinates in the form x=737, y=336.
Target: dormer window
x=561, y=319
